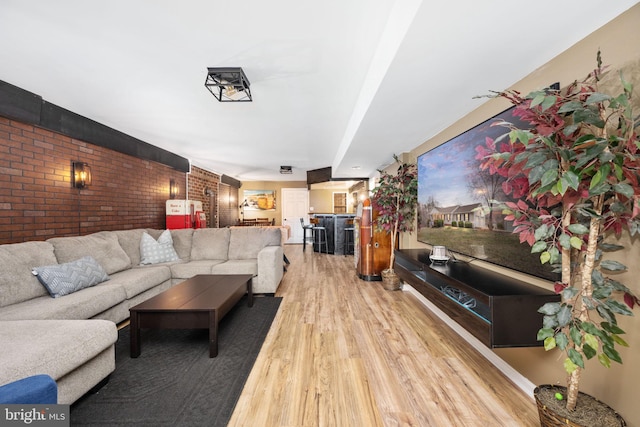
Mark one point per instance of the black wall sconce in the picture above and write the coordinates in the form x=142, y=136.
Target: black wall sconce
x=81, y=175
x=173, y=188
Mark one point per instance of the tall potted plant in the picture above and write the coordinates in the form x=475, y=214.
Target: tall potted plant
x=576, y=174
x=395, y=200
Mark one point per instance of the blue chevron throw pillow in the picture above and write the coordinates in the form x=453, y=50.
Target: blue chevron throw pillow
x=65, y=279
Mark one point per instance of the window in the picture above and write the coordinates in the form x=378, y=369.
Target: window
x=339, y=202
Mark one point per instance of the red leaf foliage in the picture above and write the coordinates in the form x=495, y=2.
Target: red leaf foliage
x=558, y=287
x=630, y=300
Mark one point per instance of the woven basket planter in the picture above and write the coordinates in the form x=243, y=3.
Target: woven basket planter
x=550, y=418
x=390, y=280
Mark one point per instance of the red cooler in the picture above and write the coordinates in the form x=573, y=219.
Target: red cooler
x=183, y=213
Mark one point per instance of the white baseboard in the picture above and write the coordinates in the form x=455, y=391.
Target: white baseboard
x=516, y=377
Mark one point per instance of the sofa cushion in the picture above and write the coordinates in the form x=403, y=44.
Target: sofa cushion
x=209, y=244
x=103, y=246
x=129, y=241
x=17, y=284
x=70, y=277
x=182, y=241
x=192, y=268
x=137, y=280
x=62, y=346
x=237, y=266
x=154, y=251
x=77, y=306
x=247, y=242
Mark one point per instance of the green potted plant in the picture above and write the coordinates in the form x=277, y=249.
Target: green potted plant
x=395, y=200
x=576, y=173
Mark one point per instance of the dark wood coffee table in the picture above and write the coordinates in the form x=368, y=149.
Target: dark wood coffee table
x=196, y=303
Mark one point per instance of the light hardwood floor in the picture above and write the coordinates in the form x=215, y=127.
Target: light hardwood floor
x=345, y=352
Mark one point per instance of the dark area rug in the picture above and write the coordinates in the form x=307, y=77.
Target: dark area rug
x=174, y=382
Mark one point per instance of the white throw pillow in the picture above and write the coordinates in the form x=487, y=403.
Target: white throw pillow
x=154, y=252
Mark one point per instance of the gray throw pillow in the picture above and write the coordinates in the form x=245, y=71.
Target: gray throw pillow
x=154, y=252
x=67, y=278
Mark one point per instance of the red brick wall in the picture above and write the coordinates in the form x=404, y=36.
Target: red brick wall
x=203, y=186
x=37, y=200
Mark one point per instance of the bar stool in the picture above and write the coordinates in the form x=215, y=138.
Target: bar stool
x=305, y=227
x=349, y=244
x=320, y=234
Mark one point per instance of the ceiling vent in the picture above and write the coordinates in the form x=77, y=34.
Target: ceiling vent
x=286, y=170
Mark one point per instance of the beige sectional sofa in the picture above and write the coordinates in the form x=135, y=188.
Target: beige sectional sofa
x=72, y=337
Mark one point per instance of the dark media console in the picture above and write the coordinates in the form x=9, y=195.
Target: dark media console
x=498, y=310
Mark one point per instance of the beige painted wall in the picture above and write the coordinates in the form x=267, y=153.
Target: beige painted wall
x=268, y=185
x=620, y=43
x=321, y=201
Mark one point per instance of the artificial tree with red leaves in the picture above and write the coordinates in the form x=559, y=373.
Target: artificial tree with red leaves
x=576, y=174
x=395, y=199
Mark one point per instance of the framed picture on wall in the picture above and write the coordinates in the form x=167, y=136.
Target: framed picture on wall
x=259, y=200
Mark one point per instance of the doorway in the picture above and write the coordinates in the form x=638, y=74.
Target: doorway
x=295, y=205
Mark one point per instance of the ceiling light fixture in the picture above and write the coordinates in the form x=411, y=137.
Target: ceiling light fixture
x=228, y=84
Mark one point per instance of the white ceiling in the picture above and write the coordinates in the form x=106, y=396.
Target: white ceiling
x=341, y=83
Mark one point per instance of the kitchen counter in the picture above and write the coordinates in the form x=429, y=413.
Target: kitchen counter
x=335, y=225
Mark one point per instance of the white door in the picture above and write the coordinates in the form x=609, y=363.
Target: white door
x=295, y=205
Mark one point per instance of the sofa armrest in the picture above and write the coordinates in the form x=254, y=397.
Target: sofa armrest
x=270, y=270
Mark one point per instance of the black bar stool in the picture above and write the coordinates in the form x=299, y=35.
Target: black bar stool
x=319, y=234
x=305, y=227
x=349, y=244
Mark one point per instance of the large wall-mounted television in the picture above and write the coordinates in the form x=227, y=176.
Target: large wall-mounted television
x=460, y=204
